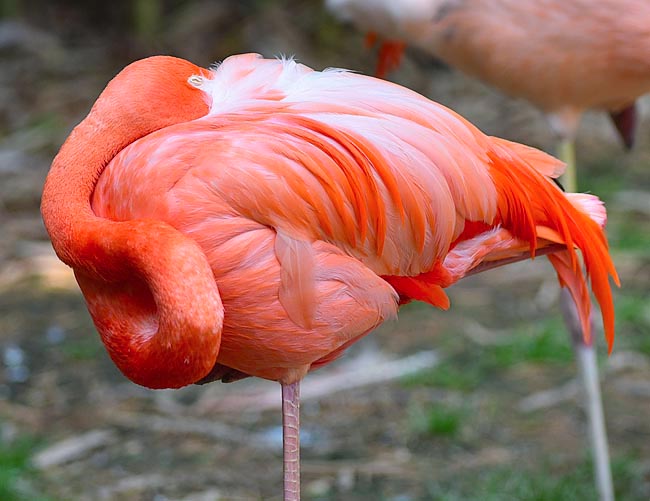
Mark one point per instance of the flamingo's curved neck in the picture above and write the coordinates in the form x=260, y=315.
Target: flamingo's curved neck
x=150, y=289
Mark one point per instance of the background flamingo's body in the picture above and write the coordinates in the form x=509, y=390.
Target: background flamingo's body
x=563, y=56
x=302, y=190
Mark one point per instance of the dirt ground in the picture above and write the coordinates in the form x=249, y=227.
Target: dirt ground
x=479, y=402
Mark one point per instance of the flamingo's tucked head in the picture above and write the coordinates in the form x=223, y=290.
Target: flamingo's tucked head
x=149, y=288
x=153, y=93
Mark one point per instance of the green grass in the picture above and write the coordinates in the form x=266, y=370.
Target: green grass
x=464, y=370
x=627, y=232
x=449, y=374
x=444, y=422
x=438, y=420
x=16, y=472
x=541, y=341
x=633, y=309
x=633, y=321
x=549, y=483
x=82, y=349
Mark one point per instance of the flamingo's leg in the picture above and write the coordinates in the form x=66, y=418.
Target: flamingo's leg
x=588, y=369
x=291, y=440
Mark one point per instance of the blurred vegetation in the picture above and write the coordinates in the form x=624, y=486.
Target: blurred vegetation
x=553, y=482
x=16, y=472
x=441, y=419
x=465, y=370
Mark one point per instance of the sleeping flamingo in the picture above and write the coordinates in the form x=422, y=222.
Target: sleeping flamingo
x=257, y=218
x=563, y=56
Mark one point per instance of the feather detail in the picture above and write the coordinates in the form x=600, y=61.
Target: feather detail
x=541, y=161
x=420, y=289
x=573, y=279
x=589, y=204
x=297, y=283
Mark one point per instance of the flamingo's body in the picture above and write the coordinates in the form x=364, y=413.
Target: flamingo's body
x=260, y=217
x=564, y=56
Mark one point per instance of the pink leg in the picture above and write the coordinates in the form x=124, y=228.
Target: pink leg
x=291, y=440
x=588, y=369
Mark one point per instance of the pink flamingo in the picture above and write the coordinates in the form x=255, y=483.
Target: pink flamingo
x=257, y=218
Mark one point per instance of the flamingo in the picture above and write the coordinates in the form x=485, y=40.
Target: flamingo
x=259, y=217
x=563, y=56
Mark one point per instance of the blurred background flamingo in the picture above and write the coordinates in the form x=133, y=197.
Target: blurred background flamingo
x=72, y=427
x=565, y=57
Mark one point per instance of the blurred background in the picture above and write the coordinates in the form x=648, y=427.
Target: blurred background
x=479, y=402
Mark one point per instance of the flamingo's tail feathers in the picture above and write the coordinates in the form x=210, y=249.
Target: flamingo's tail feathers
x=535, y=210
x=574, y=281
x=541, y=161
x=591, y=205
